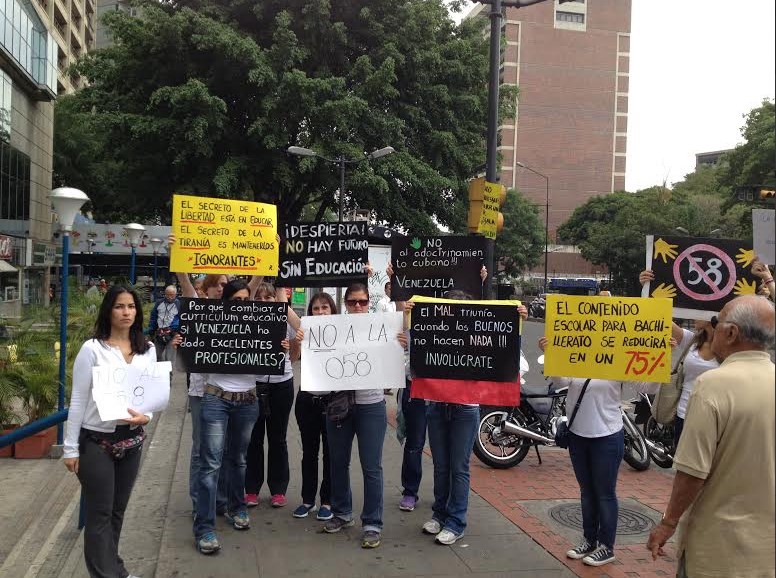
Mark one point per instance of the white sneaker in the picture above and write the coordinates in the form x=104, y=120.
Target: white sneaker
x=432, y=527
x=448, y=537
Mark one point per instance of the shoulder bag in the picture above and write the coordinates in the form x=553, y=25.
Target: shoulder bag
x=563, y=432
x=667, y=397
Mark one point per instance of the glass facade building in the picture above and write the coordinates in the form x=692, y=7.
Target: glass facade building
x=24, y=38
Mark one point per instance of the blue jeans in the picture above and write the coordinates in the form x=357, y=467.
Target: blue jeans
x=451, y=432
x=678, y=427
x=414, y=411
x=225, y=431
x=368, y=423
x=194, y=405
x=596, y=462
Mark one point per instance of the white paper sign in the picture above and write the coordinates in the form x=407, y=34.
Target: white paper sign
x=378, y=259
x=118, y=387
x=359, y=351
x=764, y=234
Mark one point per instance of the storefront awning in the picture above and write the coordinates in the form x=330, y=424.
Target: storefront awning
x=6, y=267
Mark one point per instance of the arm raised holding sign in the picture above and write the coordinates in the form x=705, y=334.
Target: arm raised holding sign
x=106, y=452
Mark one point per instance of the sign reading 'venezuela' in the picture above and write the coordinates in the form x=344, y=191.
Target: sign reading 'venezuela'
x=223, y=236
x=323, y=254
x=430, y=266
x=233, y=336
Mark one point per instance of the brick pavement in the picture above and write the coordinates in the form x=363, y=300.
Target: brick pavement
x=554, y=480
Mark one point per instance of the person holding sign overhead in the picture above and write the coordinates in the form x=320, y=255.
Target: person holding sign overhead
x=276, y=397
x=106, y=455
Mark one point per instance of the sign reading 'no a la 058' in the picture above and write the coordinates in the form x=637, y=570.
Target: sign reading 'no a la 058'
x=223, y=236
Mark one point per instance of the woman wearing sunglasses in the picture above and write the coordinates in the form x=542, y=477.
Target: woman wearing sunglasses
x=367, y=421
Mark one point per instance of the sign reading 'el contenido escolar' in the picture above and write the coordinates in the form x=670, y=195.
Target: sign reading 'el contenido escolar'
x=223, y=236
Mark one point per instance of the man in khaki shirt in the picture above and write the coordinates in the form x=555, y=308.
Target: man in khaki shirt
x=726, y=476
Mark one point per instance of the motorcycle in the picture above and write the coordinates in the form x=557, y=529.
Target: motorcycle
x=659, y=438
x=536, y=309
x=505, y=435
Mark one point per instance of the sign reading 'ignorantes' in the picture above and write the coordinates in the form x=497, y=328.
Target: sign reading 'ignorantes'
x=323, y=254
x=233, y=336
x=430, y=266
x=223, y=236
x=617, y=338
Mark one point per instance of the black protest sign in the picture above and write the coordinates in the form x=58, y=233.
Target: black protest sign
x=233, y=336
x=465, y=341
x=699, y=274
x=430, y=266
x=323, y=254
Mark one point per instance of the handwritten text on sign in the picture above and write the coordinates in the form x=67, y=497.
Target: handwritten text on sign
x=118, y=387
x=432, y=265
x=491, y=200
x=223, y=236
x=617, y=338
x=323, y=254
x=361, y=351
x=232, y=336
x=465, y=340
x=764, y=234
x=699, y=274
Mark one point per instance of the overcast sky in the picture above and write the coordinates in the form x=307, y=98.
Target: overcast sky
x=696, y=68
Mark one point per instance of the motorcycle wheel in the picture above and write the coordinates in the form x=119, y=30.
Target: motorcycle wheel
x=655, y=432
x=498, y=449
x=636, y=452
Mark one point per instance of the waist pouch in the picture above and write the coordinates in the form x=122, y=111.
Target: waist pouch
x=119, y=443
x=339, y=405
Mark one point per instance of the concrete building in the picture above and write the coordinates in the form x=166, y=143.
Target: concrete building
x=28, y=87
x=103, y=7
x=571, y=63
x=709, y=159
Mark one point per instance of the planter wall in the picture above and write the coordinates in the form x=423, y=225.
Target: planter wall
x=7, y=451
x=37, y=445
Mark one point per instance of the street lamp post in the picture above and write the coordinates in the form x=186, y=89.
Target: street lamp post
x=546, y=216
x=90, y=243
x=134, y=234
x=342, y=162
x=66, y=202
x=156, y=242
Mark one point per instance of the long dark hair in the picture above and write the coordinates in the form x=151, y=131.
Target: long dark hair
x=233, y=287
x=326, y=298
x=102, y=327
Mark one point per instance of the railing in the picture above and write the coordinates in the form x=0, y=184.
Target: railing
x=32, y=428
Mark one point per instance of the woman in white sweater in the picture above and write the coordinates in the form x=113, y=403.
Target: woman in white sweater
x=106, y=454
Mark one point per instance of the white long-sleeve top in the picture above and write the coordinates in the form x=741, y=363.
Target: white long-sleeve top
x=82, y=412
x=599, y=412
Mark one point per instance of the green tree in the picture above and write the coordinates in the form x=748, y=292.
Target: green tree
x=752, y=163
x=204, y=96
x=520, y=245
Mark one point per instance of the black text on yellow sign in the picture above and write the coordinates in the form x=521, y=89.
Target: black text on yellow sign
x=223, y=236
x=485, y=200
x=623, y=338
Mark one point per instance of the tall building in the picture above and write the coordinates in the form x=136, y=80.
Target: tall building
x=104, y=6
x=28, y=87
x=570, y=61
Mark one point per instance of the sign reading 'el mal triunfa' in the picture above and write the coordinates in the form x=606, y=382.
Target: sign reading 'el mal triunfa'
x=616, y=338
x=465, y=351
x=223, y=236
x=233, y=336
x=700, y=275
x=430, y=266
x=323, y=254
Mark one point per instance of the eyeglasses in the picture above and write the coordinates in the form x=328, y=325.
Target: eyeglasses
x=354, y=302
x=714, y=322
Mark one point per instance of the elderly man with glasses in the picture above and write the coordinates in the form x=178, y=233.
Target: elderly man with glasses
x=724, y=485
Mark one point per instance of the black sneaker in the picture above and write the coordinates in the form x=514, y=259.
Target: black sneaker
x=582, y=550
x=602, y=555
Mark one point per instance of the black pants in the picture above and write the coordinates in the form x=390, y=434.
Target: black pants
x=310, y=417
x=106, y=484
x=281, y=398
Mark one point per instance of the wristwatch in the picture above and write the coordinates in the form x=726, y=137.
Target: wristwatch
x=667, y=523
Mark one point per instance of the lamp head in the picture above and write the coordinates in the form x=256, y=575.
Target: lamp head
x=67, y=202
x=301, y=151
x=134, y=233
x=385, y=151
x=156, y=242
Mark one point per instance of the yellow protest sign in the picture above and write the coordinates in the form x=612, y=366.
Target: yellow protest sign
x=617, y=338
x=491, y=200
x=223, y=236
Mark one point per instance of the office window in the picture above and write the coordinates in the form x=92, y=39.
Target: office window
x=573, y=17
x=6, y=90
x=14, y=184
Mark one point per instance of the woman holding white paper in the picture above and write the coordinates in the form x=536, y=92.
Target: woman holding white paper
x=105, y=455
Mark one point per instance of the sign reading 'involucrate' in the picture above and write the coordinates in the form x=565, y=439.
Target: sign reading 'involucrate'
x=233, y=336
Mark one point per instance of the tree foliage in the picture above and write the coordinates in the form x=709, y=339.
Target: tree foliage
x=204, y=96
x=520, y=245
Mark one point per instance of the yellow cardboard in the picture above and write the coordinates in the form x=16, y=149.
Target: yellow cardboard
x=490, y=206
